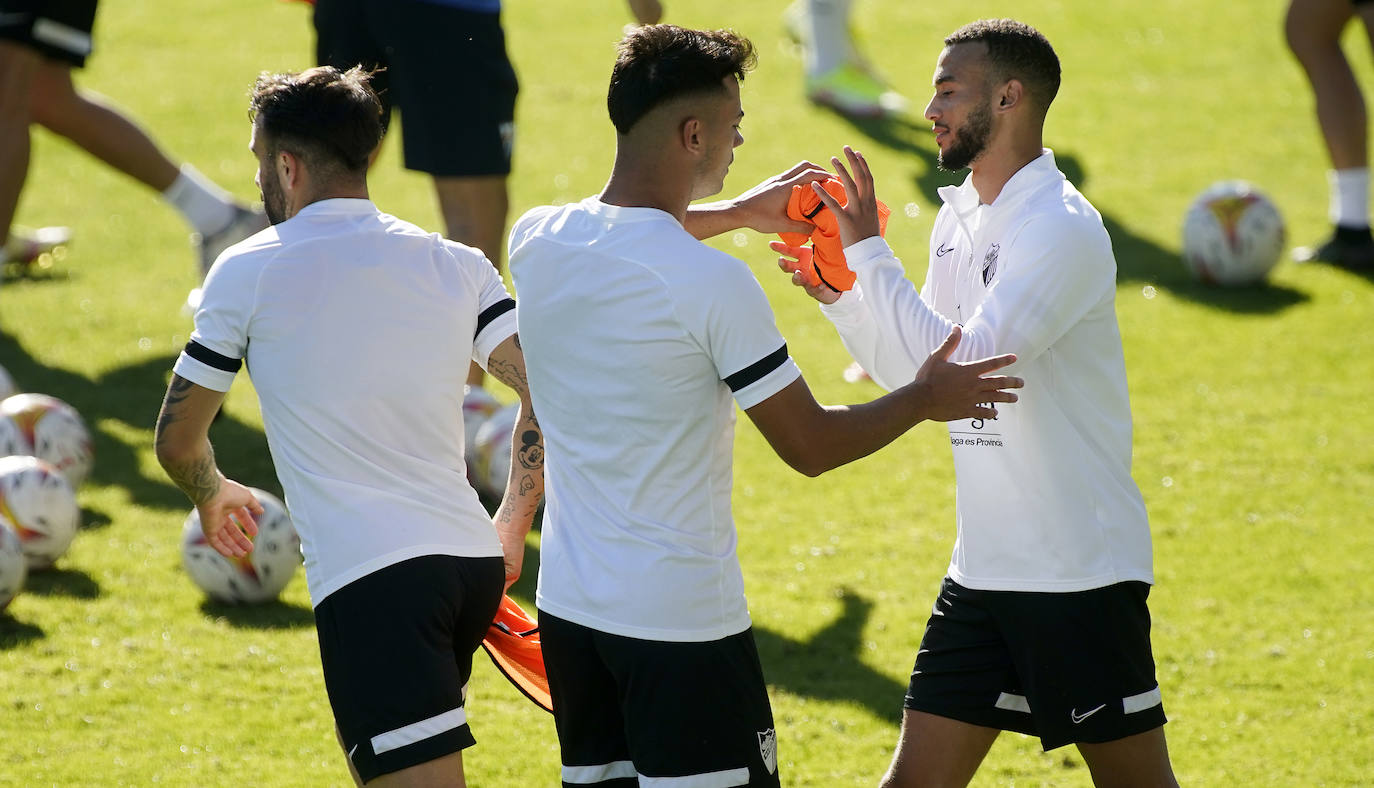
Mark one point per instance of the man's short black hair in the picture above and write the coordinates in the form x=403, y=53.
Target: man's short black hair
x=330, y=118
x=657, y=63
x=1015, y=51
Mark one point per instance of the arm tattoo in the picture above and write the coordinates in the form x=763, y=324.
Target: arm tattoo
x=198, y=478
x=176, y=394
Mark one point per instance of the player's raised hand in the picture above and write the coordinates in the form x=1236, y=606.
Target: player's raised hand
x=955, y=390
x=764, y=207
x=858, y=219
x=228, y=519
x=796, y=260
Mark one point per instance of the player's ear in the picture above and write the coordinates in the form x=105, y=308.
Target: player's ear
x=692, y=134
x=1011, y=94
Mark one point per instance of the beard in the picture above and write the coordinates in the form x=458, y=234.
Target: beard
x=969, y=142
x=273, y=200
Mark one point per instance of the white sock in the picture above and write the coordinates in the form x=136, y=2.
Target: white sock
x=827, y=31
x=1349, y=197
x=206, y=206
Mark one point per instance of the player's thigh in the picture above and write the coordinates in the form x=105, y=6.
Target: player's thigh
x=1314, y=25
x=1139, y=761
x=1085, y=661
x=586, y=708
x=396, y=647
x=694, y=710
x=937, y=751
x=454, y=83
x=446, y=771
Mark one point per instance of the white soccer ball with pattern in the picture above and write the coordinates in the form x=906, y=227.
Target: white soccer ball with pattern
x=1232, y=235
x=257, y=577
x=493, y=451
x=7, y=386
x=478, y=405
x=41, y=505
x=12, y=440
x=14, y=568
x=55, y=432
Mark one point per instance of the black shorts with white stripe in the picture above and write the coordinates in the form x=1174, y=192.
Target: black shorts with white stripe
x=396, y=647
x=58, y=29
x=1072, y=667
x=650, y=713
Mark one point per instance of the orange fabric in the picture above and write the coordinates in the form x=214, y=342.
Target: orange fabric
x=827, y=259
x=512, y=642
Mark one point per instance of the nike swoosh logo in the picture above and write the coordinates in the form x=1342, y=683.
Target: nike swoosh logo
x=943, y=250
x=1077, y=718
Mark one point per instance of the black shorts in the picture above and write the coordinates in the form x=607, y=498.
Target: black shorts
x=58, y=29
x=397, y=647
x=629, y=710
x=1070, y=667
x=445, y=68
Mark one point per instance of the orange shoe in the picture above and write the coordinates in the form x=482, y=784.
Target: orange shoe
x=827, y=257
x=512, y=642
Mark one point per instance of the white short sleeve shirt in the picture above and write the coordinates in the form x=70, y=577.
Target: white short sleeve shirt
x=358, y=329
x=639, y=340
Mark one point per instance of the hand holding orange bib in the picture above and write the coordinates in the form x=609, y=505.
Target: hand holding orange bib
x=828, y=265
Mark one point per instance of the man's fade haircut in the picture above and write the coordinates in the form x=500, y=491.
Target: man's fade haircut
x=1015, y=51
x=658, y=63
x=330, y=118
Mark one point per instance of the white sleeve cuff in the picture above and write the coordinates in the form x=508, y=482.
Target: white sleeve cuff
x=869, y=250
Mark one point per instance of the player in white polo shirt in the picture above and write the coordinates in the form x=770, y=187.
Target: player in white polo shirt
x=1041, y=625
x=637, y=338
x=358, y=329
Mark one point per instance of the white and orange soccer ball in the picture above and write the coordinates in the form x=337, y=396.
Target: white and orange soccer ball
x=41, y=505
x=493, y=451
x=7, y=385
x=257, y=577
x=14, y=568
x=54, y=432
x=478, y=405
x=1232, y=235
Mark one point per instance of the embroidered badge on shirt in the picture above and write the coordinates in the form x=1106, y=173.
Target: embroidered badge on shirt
x=990, y=264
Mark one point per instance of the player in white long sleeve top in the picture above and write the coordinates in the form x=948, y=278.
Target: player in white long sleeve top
x=1041, y=625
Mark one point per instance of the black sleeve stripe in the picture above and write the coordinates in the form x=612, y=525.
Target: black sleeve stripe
x=757, y=370
x=210, y=358
x=492, y=312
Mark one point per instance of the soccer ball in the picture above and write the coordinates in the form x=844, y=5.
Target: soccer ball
x=493, y=451
x=7, y=387
x=1232, y=235
x=39, y=502
x=14, y=568
x=12, y=440
x=257, y=577
x=478, y=405
x=54, y=431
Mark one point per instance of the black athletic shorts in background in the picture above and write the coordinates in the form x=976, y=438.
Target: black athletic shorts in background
x=1072, y=667
x=446, y=69
x=396, y=647
x=58, y=29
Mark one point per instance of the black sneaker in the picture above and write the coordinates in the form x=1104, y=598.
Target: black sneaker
x=1348, y=248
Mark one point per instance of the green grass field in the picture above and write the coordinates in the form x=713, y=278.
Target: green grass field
x=1254, y=445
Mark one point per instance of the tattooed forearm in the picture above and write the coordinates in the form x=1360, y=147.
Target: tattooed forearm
x=198, y=477
x=177, y=391
x=512, y=375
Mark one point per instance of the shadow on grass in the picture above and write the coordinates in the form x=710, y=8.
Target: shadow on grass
x=72, y=583
x=266, y=615
x=1138, y=259
x=15, y=633
x=826, y=666
x=94, y=520
x=132, y=395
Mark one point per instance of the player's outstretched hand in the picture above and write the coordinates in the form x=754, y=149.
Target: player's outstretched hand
x=228, y=519
x=955, y=390
x=796, y=260
x=858, y=219
x=764, y=207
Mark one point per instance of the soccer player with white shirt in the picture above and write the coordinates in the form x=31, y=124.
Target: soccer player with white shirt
x=1041, y=625
x=358, y=329
x=637, y=336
